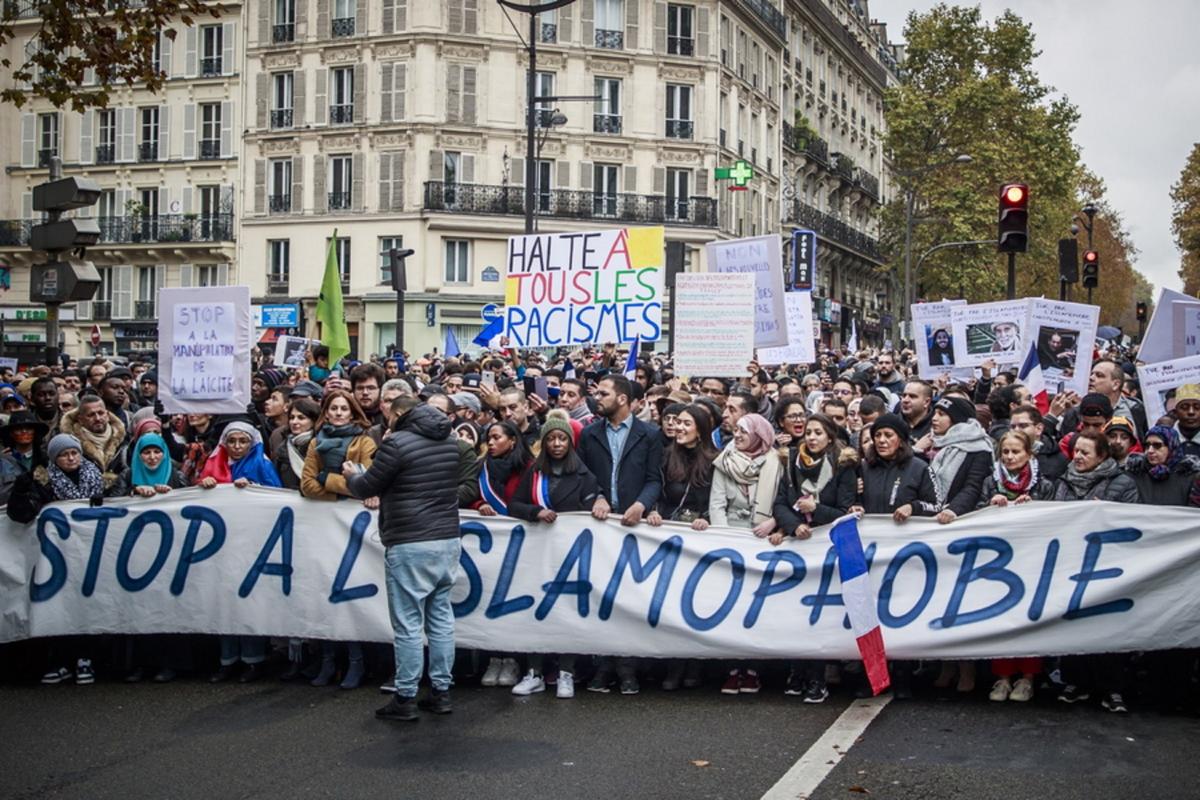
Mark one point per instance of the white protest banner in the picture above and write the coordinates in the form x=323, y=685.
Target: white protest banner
x=8, y=363
x=714, y=323
x=934, y=339
x=985, y=331
x=204, y=349
x=1165, y=337
x=290, y=351
x=1159, y=381
x=762, y=257
x=801, y=347
x=1065, y=334
x=584, y=288
x=1035, y=579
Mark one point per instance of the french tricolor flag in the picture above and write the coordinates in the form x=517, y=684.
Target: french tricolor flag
x=1031, y=376
x=859, y=597
x=631, y=362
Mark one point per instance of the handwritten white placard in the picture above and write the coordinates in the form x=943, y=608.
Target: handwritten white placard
x=714, y=323
x=761, y=257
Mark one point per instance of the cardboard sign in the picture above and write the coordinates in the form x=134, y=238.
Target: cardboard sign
x=760, y=256
x=714, y=323
x=1160, y=380
x=934, y=337
x=204, y=349
x=1065, y=334
x=567, y=289
x=801, y=347
x=997, y=331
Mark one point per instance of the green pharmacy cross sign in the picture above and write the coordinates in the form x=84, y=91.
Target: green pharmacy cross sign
x=740, y=173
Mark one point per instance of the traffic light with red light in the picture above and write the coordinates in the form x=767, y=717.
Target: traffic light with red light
x=1091, y=269
x=1013, y=234
x=1141, y=312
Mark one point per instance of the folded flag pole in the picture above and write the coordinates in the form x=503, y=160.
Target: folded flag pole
x=859, y=597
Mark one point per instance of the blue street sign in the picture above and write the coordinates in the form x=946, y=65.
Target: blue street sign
x=804, y=259
x=279, y=315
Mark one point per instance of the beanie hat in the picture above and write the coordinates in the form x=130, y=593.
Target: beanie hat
x=1096, y=405
x=958, y=409
x=554, y=422
x=307, y=388
x=894, y=422
x=1120, y=424
x=149, y=376
x=271, y=377
x=1189, y=391
x=60, y=444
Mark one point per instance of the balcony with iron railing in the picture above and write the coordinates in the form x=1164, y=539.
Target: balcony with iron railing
x=144, y=309
x=680, y=128
x=606, y=123
x=106, y=154
x=279, y=203
x=277, y=283
x=148, y=151
x=464, y=198
x=610, y=40
x=210, y=148
x=44, y=155
x=281, y=118
x=843, y=165
x=342, y=26
x=137, y=229
x=341, y=114
x=769, y=15
x=681, y=45
x=817, y=149
x=835, y=230
x=283, y=32
x=543, y=117
x=102, y=309
x=867, y=182
x=339, y=201
x=549, y=33
x=210, y=66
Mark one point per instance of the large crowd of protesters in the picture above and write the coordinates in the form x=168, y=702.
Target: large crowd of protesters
x=778, y=453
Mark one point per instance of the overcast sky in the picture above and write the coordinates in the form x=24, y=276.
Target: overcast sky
x=1133, y=71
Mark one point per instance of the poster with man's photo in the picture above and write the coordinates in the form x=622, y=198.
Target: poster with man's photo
x=1065, y=334
x=1164, y=383
x=990, y=331
x=290, y=351
x=934, y=338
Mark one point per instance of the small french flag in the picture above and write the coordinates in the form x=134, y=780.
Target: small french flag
x=631, y=362
x=859, y=597
x=568, y=369
x=1031, y=376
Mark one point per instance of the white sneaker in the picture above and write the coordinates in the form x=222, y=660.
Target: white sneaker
x=566, y=685
x=492, y=674
x=56, y=676
x=532, y=682
x=83, y=672
x=510, y=673
x=1000, y=691
x=1022, y=691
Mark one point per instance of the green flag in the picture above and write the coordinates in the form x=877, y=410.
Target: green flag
x=334, y=333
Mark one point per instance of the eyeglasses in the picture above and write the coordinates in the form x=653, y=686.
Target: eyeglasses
x=1156, y=445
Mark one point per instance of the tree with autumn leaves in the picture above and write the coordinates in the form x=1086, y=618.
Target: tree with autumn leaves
x=1185, y=221
x=969, y=87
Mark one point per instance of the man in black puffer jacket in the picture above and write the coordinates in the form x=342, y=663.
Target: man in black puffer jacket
x=415, y=477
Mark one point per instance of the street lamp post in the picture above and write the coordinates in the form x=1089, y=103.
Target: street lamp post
x=531, y=95
x=910, y=202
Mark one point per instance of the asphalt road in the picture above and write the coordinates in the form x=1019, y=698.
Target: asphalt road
x=190, y=739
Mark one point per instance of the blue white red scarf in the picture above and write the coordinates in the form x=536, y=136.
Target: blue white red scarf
x=541, y=490
x=488, y=493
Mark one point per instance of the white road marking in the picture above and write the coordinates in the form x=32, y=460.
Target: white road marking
x=799, y=782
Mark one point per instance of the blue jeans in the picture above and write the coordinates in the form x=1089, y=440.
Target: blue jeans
x=420, y=576
x=250, y=649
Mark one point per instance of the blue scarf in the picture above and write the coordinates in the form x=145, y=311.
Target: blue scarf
x=142, y=476
x=255, y=468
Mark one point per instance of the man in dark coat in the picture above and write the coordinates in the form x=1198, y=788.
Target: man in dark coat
x=415, y=476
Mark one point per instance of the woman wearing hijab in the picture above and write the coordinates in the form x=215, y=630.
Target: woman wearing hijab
x=151, y=474
x=745, y=479
x=289, y=457
x=152, y=471
x=505, y=463
x=69, y=476
x=23, y=438
x=239, y=460
x=1094, y=475
x=819, y=485
x=556, y=482
x=1163, y=474
x=341, y=436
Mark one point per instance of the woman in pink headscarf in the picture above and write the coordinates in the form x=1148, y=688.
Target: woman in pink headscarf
x=745, y=480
